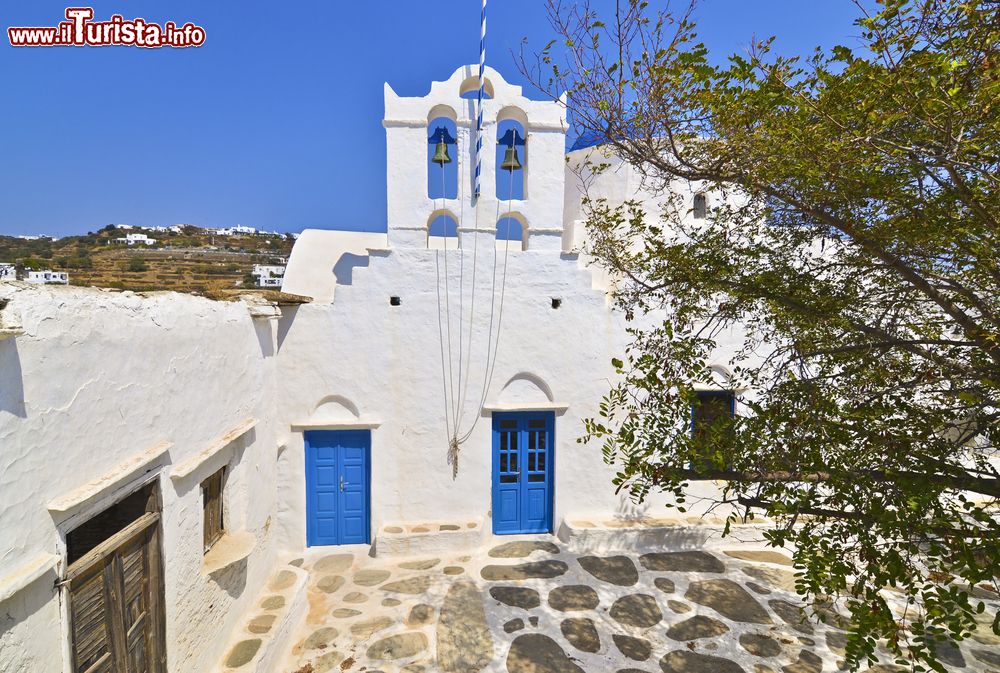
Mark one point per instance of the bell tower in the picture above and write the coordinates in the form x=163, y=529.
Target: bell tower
x=431, y=169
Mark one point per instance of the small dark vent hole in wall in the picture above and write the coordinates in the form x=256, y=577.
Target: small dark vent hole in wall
x=395, y=301
x=556, y=302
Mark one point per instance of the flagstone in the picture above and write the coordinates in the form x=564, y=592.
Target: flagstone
x=335, y=563
x=243, y=652
x=665, y=585
x=282, y=580
x=837, y=642
x=273, y=603
x=464, y=642
x=522, y=548
x=320, y=638
x=762, y=556
x=261, y=624
x=399, y=646
x=638, y=610
x=327, y=662
x=682, y=561
x=420, y=614
x=537, y=653
x=987, y=657
x=330, y=583
x=581, y=634
x=411, y=585
x=619, y=570
x=513, y=625
x=776, y=578
x=369, y=578
x=425, y=564
x=699, y=626
x=637, y=649
x=806, y=663
x=728, y=599
x=760, y=645
x=368, y=627
x=793, y=615
x=518, y=597
x=547, y=569
x=573, y=597
x=685, y=661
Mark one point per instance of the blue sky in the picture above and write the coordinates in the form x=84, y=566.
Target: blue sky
x=276, y=121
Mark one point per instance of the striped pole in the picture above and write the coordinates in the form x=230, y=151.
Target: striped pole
x=479, y=106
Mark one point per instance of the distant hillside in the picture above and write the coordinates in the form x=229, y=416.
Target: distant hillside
x=195, y=260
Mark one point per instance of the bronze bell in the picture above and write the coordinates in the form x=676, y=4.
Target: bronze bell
x=510, y=160
x=441, y=153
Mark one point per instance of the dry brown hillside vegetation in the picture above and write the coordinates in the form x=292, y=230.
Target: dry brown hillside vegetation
x=194, y=261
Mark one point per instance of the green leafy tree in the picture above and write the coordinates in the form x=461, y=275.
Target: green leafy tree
x=137, y=265
x=852, y=245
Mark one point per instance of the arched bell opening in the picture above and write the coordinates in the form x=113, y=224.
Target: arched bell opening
x=511, y=161
x=512, y=232
x=442, y=167
x=442, y=231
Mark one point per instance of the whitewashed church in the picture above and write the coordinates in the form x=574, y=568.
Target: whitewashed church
x=160, y=454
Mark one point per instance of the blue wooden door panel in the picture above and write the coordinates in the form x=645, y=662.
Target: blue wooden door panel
x=522, y=472
x=337, y=487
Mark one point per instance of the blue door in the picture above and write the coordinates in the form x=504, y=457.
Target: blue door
x=337, y=479
x=522, y=472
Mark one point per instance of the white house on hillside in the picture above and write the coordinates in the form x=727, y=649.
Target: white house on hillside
x=47, y=277
x=136, y=239
x=268, y=275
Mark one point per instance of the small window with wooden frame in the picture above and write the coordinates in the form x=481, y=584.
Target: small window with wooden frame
x=712, y=412
x=214, y=518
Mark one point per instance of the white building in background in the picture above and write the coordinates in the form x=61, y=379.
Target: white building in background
x=268, y=275
x=8, y=271
x=238, y=230
x=136, y=239
x=129, y=421
x=47, y=277
x=39, y=237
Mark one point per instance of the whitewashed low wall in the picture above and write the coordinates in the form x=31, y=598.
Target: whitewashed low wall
x=99, y=377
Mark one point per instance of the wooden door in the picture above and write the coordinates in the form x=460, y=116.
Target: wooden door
x=116, y=603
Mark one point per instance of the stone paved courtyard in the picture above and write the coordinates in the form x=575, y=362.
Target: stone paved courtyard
x=530, y=606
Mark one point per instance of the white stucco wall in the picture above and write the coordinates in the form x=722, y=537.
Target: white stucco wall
x=321, y=258
x=99, y=377
x=386, y=361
